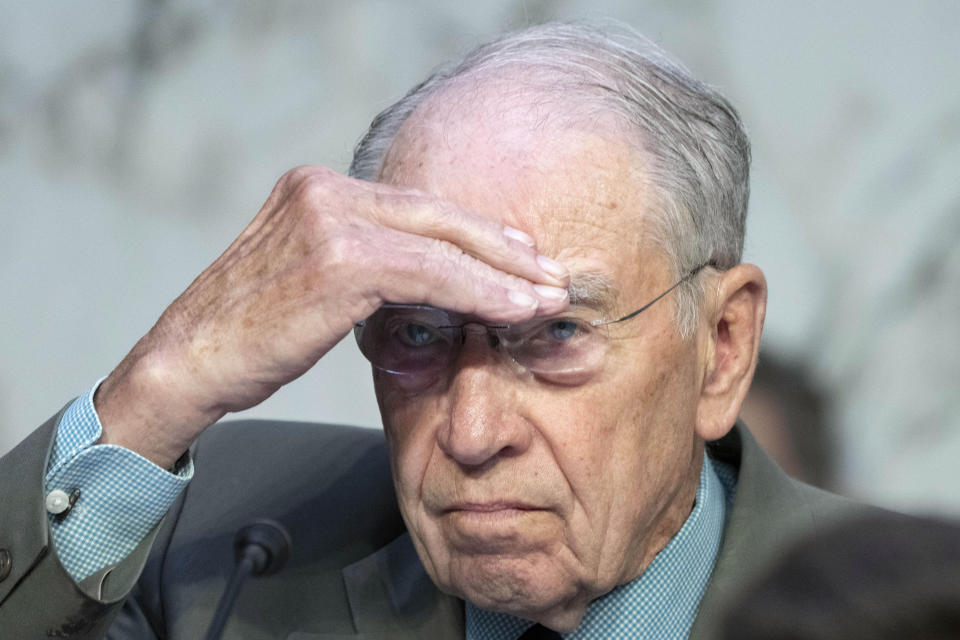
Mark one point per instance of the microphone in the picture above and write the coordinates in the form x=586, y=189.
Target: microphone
x=260, y=548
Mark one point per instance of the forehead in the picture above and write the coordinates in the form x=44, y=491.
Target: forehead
x=569, y=181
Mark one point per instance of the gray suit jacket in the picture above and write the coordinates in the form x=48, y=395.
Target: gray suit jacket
x=352, y=572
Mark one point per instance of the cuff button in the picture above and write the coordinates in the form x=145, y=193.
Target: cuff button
x=57, y=502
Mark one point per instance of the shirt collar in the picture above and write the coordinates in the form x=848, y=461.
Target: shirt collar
x=662, y=602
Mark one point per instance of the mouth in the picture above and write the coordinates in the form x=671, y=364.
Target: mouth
x=478, y=514
x=490, y=507
x=496, y=527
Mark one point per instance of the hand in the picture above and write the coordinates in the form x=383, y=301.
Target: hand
x=323, y=253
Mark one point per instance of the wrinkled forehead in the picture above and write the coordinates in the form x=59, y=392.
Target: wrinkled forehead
x=565, y=177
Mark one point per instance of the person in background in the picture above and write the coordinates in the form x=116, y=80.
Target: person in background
x=882, y=577
x=787, y=414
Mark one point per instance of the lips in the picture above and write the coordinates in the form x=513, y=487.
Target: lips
x=496, y=527
x=491, y=507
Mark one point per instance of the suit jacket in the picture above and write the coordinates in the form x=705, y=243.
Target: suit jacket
x=352, y=573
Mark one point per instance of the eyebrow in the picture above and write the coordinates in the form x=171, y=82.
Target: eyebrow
x=593, y=289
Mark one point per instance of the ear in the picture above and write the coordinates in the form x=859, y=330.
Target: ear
x=734, y=317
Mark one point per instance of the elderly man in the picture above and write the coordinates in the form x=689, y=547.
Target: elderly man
x=539, y=252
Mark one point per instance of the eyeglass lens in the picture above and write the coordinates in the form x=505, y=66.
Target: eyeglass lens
x=411, y=340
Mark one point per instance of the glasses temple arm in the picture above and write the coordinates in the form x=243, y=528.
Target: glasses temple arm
x=655, y=300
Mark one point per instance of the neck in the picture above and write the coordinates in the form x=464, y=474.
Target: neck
x=670, y=518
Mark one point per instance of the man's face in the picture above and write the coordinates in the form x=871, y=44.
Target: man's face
x=523, y=495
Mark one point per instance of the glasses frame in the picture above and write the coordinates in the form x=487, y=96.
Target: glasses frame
x=633, y=314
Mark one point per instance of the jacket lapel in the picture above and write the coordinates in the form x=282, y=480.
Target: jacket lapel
x=392, y=598
x=770, y=510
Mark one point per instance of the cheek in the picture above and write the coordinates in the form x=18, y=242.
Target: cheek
x=580, y=429
x=623, y=433
x=409, y=422
x=658, y=440
x=674, y=392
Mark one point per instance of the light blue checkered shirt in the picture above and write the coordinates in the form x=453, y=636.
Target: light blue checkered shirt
x=662, y=603
x=122, y=495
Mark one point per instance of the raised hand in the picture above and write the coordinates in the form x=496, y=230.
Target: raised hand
x=322, y=254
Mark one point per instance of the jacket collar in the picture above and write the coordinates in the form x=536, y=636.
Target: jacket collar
x=770, y=510
x=392, y=598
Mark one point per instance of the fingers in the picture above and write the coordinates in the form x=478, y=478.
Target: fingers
x=439, y=274
x=403, y=245
x=488, y=240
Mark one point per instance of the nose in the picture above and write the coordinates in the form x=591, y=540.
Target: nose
x=483, y=423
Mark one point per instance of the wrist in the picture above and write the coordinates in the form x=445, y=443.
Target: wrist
x=143, y=406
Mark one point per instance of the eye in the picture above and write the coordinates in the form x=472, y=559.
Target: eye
x=414, y=334
x=551, y=337
x=564, y=350
x=562, y=329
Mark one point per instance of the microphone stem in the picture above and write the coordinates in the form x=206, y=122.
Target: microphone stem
x=245, y=565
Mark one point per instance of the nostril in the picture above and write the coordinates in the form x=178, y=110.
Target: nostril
x=468, y=447
x=472, y=459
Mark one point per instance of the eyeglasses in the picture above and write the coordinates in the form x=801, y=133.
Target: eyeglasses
x=422, y=340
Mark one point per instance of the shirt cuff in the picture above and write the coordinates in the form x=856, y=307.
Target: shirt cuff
x=119, y=495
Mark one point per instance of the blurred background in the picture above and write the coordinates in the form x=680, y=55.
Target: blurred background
x=138, y=138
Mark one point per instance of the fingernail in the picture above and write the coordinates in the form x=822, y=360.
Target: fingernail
x=552, y=267
x=516, y=234
x=546, y=291
x=522, y=300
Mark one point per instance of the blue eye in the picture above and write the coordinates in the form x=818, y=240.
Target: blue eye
x=417, y=335
x=562, y=330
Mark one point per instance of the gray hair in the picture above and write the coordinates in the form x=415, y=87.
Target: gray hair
x=696, y=150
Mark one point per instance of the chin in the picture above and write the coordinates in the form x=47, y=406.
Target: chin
x=534, y=588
